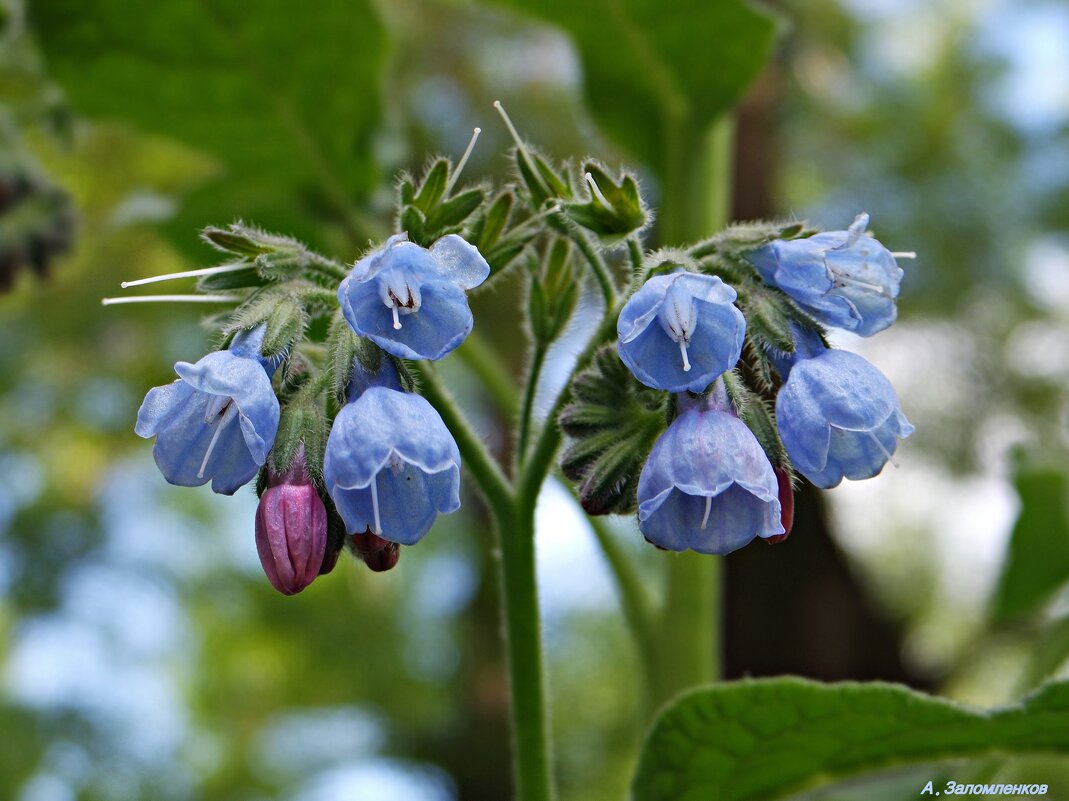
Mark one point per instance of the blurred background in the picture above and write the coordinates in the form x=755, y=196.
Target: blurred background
x=142, y=653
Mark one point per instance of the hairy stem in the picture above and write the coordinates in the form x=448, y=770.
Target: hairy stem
x=523, y=641
x=597, y=264
x=538, y=359
x=513, y=517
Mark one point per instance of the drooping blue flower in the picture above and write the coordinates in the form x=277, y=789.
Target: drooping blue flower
x=838, y=416
x=680, y=331
x=409, y=300
x=218, y=421
x=845, y=279
x=707, y=485
x=391, y=465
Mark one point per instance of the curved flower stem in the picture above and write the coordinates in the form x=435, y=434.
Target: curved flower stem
x=597, y=264
x=537, y=361
x=476, y=458
x=638, y=261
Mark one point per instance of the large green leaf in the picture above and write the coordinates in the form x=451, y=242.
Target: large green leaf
x=283, y=94
x=761, y=740
x=1038, y=558
x=656, y=72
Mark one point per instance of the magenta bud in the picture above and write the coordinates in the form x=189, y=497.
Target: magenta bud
x=786, y=505
x=291, y=528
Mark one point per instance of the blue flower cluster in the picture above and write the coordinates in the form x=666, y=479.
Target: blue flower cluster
x=708, y=484
x=391, y=465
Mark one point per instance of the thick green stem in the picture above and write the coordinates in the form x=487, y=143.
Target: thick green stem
x=513, y=516
x=523, y=639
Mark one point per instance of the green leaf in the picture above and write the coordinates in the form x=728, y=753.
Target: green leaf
x=647, y=67
x=766, y=739
x=283, y=95
x=1038, y=559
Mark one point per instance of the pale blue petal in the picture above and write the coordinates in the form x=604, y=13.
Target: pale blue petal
x=707, y=453
x=655, y=358
x=459, y=262
x=443, y=321
x=398, y=440
x=834, y=413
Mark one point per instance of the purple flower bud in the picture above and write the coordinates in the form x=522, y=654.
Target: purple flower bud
x=291, y=528
x=786, y=505
x=378, y=554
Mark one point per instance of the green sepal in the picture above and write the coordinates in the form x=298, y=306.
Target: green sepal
x=301, y=421
x=432, y=190
x=768, y=316
x=286, y=323
x=507, y=249
x=553, y=295
x=453, y=212
x=489, y=226
x=282, y=314
x=283, y=264
x=612, y=421
x=755, y=412
x=238, y=239
x=625, y=214
x=542, y=182
x=246, y=278
x=414, y=223
x=741, y=238
x=342, y=343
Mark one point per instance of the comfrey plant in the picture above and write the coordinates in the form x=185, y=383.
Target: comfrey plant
x=706, y=386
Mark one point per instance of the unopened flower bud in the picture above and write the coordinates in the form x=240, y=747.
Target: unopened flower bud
x=786, y=505
x=291, y=528
x=384, y=558
x=368, y=542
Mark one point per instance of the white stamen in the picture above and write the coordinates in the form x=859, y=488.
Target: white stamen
x=171, y=299
x=463, y=160
x=708, y=508
x=597, y=190
x=222, y=268
x=216, y=406
x=904, y=254
x=231, y=413
x=396, y=318
x=683, y=351
x=886, y=452
x=520, y=145
x=377, y=530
